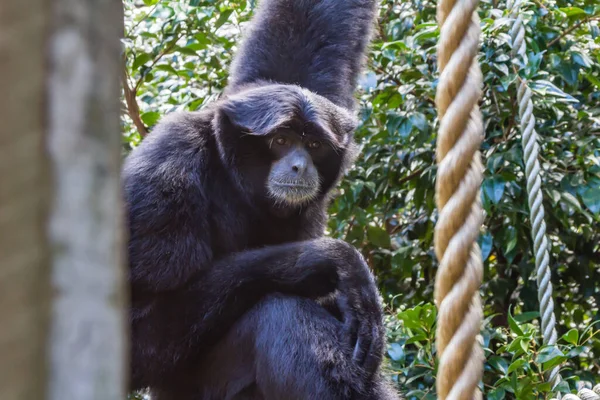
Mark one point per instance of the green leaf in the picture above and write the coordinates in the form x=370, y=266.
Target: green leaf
x=573, y=11
x=511, y=244
x=368, y=80
x=379, y=237
x=405, y=128
x=395, y=101
x=526, y=316
x=549, y=353
x=514, y=326
x=485, y=243
x=187, y=51
x=396, y=352
x=545, y=387
x=576, y=351
x=517, y=364
x=140, y=60
x=571, y=200
x=516, y=346
x=524, y=346
x=411, y=318
x=546, y=87
x=428, y=32
x=167, y=68
x=421, y=337
x=223, y=17
x=591, y=199
x=419, y=121
x=582, y=59
x=150, y=118
x=502, y=68
x=398, y=45
x=555, y=362
x=563, y=387
x=496, y=394
x=499, y=363
x=571, y=337
x=494, y=189
x=593, y=80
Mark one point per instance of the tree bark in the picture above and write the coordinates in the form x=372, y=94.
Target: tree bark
x=88, y=316
x=24, y=266
x=62, y=286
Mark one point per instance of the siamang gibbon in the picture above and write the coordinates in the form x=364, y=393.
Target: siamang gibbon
x=235, y=293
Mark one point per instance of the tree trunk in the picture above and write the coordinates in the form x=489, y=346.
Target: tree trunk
x=88, y=325
x=62, y=302
x=24, y=262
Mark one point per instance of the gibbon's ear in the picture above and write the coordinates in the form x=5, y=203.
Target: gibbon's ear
x=260, y=112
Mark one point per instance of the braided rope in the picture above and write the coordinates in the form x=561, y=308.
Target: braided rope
x=534, y=192
x=458, y=185
x=584, y=394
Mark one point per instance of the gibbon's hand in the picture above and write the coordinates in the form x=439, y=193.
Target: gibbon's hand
x=358, y=298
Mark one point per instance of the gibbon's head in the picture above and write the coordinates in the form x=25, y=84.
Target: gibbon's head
x=284, y=144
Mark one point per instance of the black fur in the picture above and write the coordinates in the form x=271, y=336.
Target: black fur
x=316, y=44
x=209, y=250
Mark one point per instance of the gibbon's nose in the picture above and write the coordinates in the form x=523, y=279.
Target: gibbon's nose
x=298, y=165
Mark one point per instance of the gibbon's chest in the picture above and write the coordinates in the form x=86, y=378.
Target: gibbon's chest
x=233, y=232
x=272, y=231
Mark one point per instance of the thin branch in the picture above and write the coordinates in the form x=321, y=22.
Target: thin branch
x=133, y=110
x=540, y=4
x=141, y=20
x=160, y=55
x=571, y=29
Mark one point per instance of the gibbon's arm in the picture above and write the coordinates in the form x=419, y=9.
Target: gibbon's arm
x=314, y=268
x=317, y=44
x=216, y=297
x=225, y=290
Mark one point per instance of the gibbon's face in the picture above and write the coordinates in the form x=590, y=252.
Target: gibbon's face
x=284, y=144
x=294, y=179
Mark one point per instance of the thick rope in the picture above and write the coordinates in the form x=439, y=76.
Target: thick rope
x=534, y=192
x=458, y=185
x=584, y=394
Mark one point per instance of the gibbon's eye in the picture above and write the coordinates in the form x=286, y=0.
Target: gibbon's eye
x=281, y=140
x=314, y=144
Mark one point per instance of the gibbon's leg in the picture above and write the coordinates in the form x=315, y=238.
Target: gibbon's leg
x=288, y=348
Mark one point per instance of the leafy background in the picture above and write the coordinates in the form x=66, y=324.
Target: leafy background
x=176, y=58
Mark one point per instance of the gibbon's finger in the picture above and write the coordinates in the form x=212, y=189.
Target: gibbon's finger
x=375, y=353
x=370, y=341
x=362, y=346
x=365, y=339
x=351, y=322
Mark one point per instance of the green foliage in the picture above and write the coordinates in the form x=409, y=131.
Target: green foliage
x=516, y=362
x=177, y=54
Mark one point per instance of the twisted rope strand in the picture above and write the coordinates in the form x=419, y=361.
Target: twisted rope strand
x=459, y=177
x=585, y=394
x=534, y=192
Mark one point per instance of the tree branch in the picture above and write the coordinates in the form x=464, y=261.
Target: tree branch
x=160, y=55
x=571, y=29
x=133, y=110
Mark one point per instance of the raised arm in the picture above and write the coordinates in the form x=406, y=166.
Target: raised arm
x=316, y=44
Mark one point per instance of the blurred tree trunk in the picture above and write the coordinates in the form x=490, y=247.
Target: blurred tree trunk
x=24, y=263
x=62, y=302
x=87, y=343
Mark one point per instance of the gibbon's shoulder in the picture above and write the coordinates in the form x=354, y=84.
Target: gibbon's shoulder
x=181, y=141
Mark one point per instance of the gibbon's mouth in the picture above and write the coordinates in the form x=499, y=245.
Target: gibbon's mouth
x=293, y=192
